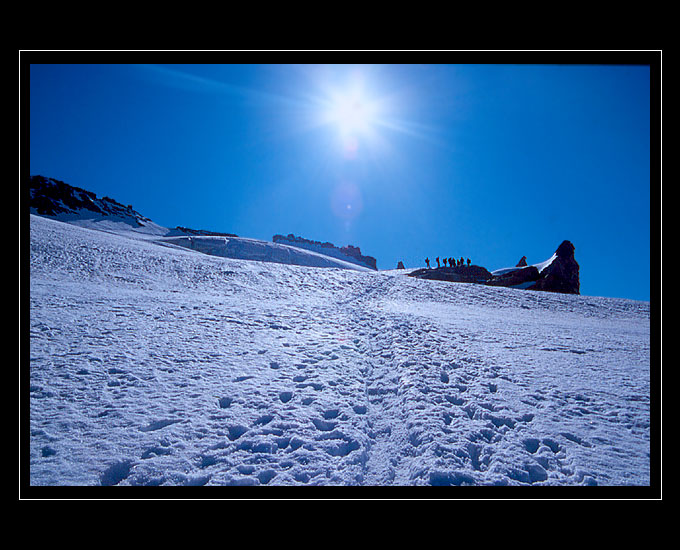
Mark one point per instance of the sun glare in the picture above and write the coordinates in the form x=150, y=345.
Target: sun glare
x=355, y=111
x=351, y=113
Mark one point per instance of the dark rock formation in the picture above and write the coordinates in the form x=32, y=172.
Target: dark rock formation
x=522, y=262
x=50, y=197
x=202, y=232
x=562, y=275
x=355, y=252
x=457, y=274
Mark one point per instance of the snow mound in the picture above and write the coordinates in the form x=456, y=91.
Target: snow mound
x=254, y=249
x=347, y=253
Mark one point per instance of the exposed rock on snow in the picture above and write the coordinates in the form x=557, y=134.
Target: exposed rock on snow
x=457, y=274
x=179, y=230
x=51, y=197
x=560, y=273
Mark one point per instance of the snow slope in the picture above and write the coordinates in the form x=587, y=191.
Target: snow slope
x=227, y=247
x=253, y=249
x=156, y=365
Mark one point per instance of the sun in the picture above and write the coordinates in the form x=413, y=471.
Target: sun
x=352, y=112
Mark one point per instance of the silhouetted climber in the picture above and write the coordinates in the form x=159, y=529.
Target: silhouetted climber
x=438, y=262
x=468, y=260
x=444, y=260
x=427, y=261
x=462, y=261
x=451, y=262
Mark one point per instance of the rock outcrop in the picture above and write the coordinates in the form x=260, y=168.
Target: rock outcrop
x=201, y=232
x=559, y=274
x=562, y=274
x=54, y=198
x=457, y=274
x=51, y=197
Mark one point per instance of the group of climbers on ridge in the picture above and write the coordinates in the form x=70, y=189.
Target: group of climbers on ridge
x=453, y=262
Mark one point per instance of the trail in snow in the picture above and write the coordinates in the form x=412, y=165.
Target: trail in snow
x=157, y=366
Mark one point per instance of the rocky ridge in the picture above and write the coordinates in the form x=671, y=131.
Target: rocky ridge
x=52, y=197
x=558, y=274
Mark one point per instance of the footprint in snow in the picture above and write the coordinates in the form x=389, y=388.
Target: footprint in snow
x=285, y=396
x=158, y=424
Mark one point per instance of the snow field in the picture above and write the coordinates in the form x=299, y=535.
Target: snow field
x=158, y=366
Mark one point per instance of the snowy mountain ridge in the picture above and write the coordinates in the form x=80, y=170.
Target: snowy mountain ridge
x=61, y=201
x=347, y=253
x=154, y=365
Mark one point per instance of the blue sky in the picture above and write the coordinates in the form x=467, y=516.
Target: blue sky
x=490, y=162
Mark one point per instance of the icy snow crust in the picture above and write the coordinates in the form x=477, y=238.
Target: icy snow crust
x=156, y=365
x=253, y=249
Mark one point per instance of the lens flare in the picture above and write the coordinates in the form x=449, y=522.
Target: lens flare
x=346, y=201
